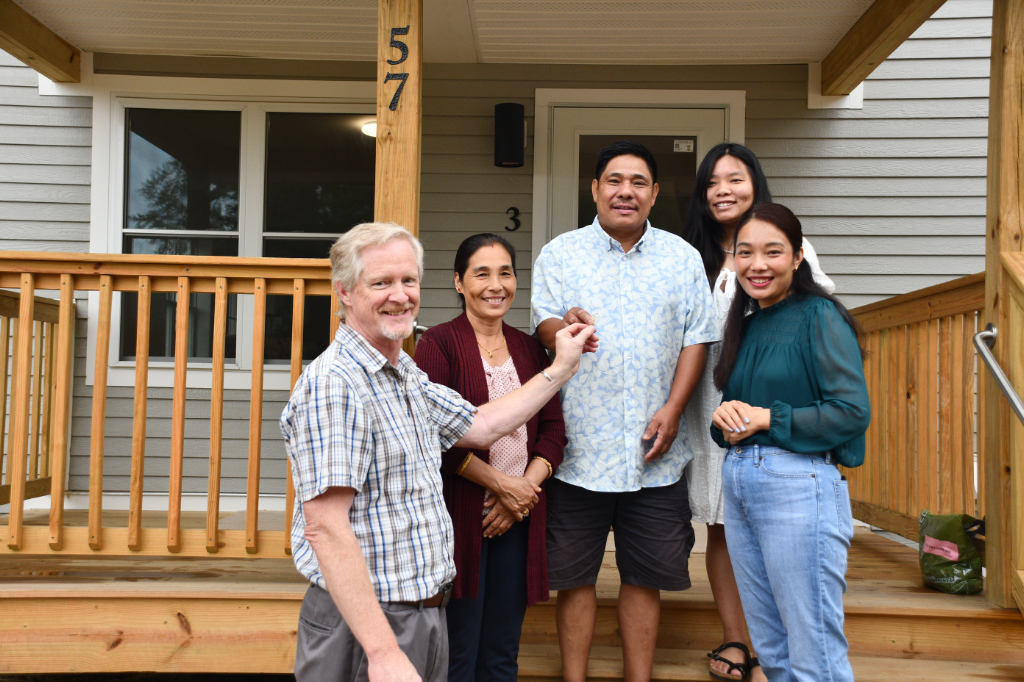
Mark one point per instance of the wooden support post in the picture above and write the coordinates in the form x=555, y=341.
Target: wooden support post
x=18, y=438
x=25, y=37
x=99, y=414
x=399, y=115
x=1004, y=224
x=62, y=408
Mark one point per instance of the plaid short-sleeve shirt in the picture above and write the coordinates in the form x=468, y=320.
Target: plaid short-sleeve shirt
x=356, y=421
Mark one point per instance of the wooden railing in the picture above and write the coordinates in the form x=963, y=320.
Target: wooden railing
x=34, y=458
x=145, y=275
x=921, y=376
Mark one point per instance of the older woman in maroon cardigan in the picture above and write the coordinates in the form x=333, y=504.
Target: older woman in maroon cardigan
x=495, y=497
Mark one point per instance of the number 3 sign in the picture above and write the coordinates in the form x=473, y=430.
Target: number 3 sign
x=404, y=49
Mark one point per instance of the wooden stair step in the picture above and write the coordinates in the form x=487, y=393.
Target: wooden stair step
x=539, y=662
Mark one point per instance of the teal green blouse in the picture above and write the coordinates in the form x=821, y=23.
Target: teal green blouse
x=800, y=359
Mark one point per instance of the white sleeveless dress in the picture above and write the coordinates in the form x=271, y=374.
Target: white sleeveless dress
x=704, y=472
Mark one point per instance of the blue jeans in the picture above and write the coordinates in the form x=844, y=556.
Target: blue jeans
x=788, y=525
x=483, y=633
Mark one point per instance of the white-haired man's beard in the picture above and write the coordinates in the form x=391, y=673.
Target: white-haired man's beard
x=397, y=334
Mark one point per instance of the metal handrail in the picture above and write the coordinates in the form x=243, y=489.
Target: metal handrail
x=983, y=341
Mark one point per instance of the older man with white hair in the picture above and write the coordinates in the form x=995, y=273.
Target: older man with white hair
x=364, y=430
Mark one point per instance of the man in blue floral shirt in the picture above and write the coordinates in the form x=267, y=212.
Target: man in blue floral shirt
x=646, y=292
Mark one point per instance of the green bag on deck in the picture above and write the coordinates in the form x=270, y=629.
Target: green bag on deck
x=949, y=561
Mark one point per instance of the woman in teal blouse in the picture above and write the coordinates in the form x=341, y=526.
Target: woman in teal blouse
x=795, y=404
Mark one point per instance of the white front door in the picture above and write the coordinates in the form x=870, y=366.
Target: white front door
x=678, y=138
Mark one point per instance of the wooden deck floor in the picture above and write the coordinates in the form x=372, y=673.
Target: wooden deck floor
x=95, y=614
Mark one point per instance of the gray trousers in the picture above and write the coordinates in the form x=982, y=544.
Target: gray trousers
x=329, y=652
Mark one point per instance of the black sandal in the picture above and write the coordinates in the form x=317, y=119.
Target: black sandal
x=742, y=668
x=754, y=663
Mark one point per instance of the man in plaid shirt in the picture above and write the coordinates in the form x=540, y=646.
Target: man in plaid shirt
x=364, y=430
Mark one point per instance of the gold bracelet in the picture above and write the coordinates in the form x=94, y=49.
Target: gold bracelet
x=465, y=463
x=551, y=471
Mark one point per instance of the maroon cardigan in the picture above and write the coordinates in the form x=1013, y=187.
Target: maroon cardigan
x=449, y=354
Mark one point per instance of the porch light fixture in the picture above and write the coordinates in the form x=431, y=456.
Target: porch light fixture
x=370, y=129
x=509, y=135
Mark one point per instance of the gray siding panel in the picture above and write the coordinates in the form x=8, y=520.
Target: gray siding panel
x=45, y=159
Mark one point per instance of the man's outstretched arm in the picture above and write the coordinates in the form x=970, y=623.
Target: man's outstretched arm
x=348, y=582
x=506, y=414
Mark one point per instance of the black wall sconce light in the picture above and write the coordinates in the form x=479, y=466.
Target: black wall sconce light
x=509, y=135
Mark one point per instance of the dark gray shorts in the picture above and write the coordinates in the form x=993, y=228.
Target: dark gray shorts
x=653, y=535
x=328, y=652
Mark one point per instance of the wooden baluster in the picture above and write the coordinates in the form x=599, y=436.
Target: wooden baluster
x=50, y=330
x=178, y=416
x=874, y=495
x=957, y=406
x=946, y=417
x=5, y=354
x=18, y=449
x=62, y=408
x=896, y=492
x=981, y=377
x=99, y=414
x=910, y=430
x=924, y=383
x=139, y=414
x=220, y=327
x=335, y=314
x=14, y=371
x=892, y=411
x=252, y=493
x=967, y=429
x=35, y=435
x=929, y=466
x=298, y=318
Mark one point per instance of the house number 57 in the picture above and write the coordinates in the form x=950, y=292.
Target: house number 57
x=404, y=49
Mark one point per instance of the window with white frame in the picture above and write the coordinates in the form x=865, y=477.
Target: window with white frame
x=218, y=178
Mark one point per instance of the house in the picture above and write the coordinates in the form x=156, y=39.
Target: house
x=242, y=132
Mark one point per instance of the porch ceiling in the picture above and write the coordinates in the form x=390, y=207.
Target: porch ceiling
x=489, y=31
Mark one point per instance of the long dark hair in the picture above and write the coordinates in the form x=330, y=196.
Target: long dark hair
x=803, y=285
x=471, y=245
x=700, y=229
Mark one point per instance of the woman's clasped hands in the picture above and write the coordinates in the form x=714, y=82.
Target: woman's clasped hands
x=738, y=420
x=512, y=501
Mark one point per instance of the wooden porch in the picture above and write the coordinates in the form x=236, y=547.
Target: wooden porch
x=104, y=589
x=117, y=613
x=170, y=590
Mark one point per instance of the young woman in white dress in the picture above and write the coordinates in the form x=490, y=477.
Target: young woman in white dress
x=728, y=183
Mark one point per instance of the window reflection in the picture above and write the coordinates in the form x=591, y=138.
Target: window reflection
x=320, y=172
x=182, y=169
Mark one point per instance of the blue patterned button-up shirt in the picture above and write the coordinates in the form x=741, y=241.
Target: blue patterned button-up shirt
x=356, y=421
x=648, y=305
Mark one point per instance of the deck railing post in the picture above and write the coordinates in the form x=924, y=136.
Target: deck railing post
x=99, y=414
x=178, y=416
x=18, y=439
x=298, y=321
x=139, y=414
x=62, y=408
x=220, y=315
x=252, y=493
